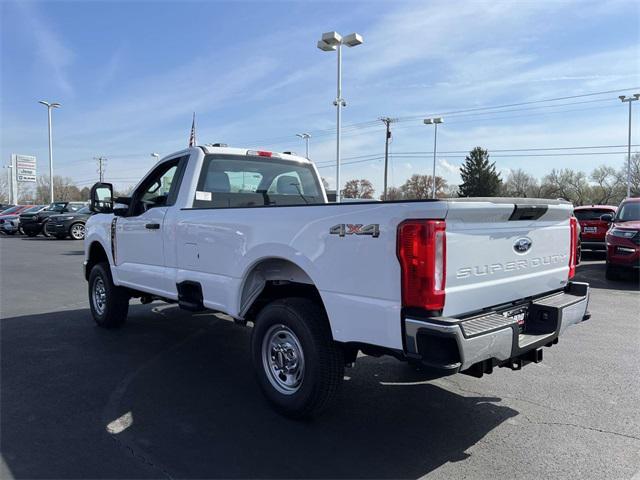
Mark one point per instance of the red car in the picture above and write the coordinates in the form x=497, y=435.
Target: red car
x=594, y=229
x=623, y=238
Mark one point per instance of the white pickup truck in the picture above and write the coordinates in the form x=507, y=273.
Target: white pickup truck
x=456, y=285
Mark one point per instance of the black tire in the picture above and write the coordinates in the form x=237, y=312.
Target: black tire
x=10, y=233
x=300, y=320
x=60, y=236
x=44, y=230
x=31, y=233
x=112, y=308
x=74, y=231
x=612, y=273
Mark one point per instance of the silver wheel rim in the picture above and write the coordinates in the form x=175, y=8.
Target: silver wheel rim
x=283, y=359
x=99, y=296
x=77, y=231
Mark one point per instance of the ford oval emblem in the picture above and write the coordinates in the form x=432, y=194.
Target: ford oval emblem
x=522, y=245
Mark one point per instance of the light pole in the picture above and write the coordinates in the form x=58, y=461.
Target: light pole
x=9, y=168
x=434, y=121
x=49, y=107
x=629, y=100
x=305, y=137
x=329, y=42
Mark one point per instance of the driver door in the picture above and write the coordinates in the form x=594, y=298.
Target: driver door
x=139, y=239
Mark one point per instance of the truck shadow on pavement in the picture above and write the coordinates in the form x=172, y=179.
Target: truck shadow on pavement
x=177, y=393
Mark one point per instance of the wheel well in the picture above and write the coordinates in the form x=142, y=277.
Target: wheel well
x=271, y=279
x=96, y=255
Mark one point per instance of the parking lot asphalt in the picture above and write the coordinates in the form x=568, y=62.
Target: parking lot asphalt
x=172, y=395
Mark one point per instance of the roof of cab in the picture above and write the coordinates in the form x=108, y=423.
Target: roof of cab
x=247, y=151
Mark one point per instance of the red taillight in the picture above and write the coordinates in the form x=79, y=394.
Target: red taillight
x=262, y=153
x=422, y=253
x=573, y=252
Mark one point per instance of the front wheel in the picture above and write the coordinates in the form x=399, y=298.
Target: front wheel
x=298, y=365
x=77, y=231
x=109, y=303
x=44, y=230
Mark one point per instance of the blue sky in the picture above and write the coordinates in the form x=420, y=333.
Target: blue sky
x=129, y=75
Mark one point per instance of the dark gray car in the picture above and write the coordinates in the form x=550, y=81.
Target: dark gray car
x=68, y=224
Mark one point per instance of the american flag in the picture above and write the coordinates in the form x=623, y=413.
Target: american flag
x=192, y=137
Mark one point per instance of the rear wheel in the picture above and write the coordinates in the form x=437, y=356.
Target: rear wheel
x=109, y=303
x=31, y=233
x=298, y=365
x=77, y=231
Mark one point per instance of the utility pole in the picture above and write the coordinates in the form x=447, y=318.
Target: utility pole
x=633, y=98
x=387, y=122
x=101, y=164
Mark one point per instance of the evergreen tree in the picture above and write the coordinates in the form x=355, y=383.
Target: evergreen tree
x=479, y=177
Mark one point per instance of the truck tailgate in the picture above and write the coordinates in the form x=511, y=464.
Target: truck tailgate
x=500, y=251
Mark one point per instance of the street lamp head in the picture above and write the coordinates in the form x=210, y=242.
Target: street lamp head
x=46, y=104
x=332, y=38
x=622, y=98
x=353, y=40
x=438, y=120
x=156, y=155
x=637, y=96
x=303, y=135
x=325, y=47
x=55, y=105
x=428, y=121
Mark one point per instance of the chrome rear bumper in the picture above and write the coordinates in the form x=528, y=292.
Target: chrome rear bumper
x=457, y=344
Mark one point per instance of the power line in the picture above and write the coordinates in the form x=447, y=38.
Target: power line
x=371, y=123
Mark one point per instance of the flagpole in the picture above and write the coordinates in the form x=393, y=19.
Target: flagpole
x=192, y=137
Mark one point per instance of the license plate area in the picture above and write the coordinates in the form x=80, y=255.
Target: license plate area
x=590, y=229
x=519, y=315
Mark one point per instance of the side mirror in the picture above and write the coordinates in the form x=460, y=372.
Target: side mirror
x=607, y=217
x=101, y=198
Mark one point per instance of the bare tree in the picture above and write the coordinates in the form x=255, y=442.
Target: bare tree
x=520, y=184
x=635, y=175
x=394, y=193
x=64, y=190
x=362, y=188
x=608, y=186
x=419, y=186
x=568, y=184
x=325, y=183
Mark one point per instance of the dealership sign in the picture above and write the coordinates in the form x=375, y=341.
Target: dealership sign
x=25, y=168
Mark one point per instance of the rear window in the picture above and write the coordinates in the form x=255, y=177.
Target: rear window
x=591, y=214
x=228, y=181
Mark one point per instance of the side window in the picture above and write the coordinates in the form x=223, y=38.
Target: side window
x=160, y=188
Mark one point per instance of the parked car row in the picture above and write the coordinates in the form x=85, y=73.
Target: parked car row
x=59, y=220
x=615, y=230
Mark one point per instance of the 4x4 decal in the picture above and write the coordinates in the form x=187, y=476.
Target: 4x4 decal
x=343, y=229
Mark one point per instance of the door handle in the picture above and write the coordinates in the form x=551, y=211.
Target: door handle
x=152, y=226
